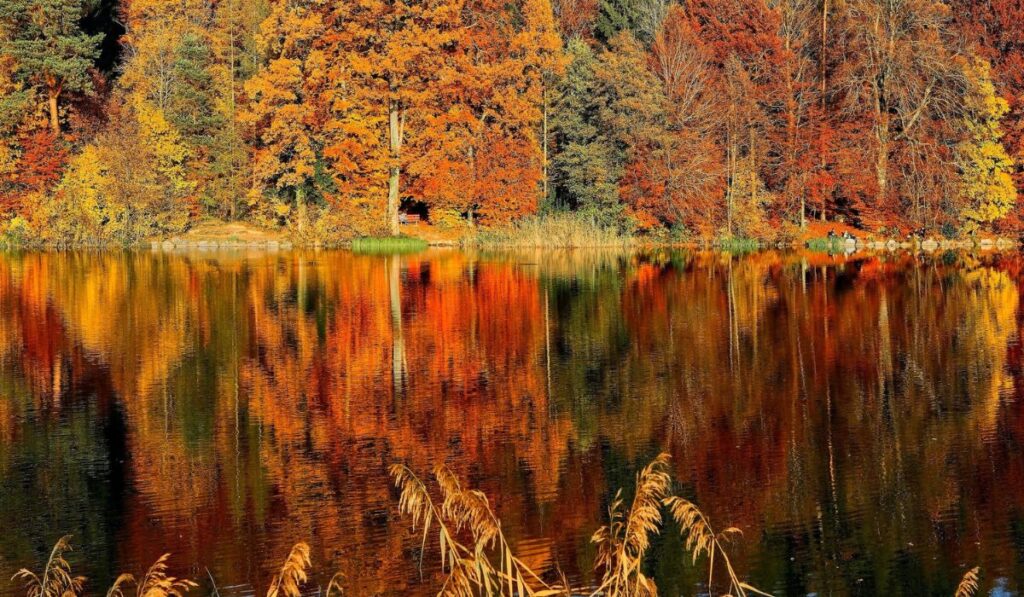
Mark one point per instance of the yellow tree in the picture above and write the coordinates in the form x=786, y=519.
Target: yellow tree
x=986, y=167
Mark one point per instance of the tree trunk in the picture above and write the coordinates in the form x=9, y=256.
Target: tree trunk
x=54, y=94
x=300, y=208
x=824, y=91
x=394, y=179
x=882, y=161
x=399, y=373
x=545, y=198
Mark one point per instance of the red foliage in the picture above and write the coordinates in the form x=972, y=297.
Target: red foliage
x=42, y=161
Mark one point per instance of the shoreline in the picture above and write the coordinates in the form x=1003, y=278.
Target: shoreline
x=988, y=245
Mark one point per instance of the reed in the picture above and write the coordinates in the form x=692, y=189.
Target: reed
x=968, y=586
x=623, y=542
x=701, y=539
x=56, y=579
x=155, y=583
x=293, y=573
x=335, y=586
x=560, y=230
x=475, y=556
x=389, y=245
x=468, y=564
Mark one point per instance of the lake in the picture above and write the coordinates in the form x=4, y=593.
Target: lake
x=860, y=418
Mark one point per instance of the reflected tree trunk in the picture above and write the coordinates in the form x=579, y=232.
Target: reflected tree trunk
x=399, y=375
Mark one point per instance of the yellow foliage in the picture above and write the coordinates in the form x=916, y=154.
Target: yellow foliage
x=986, y=167
x=166, y=144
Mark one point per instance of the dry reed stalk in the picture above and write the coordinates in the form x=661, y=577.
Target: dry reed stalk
x=968, y=586
x=56, y=579
x=289, y=580
x=701, y=539
x=622, y=543
x=469, y=568
x=335, y=585
x=155, y=583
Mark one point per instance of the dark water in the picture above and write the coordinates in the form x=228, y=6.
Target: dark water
x=861, y=419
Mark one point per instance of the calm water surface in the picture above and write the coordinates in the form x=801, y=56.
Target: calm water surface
x=860, y=418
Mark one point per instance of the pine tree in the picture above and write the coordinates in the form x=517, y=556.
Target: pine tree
x=587, y=164
x=51, y=51
x=192, y=107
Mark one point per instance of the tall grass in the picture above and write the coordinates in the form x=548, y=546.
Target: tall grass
x=735, y=244
x=622, y=544
x=624, y=541
x=559, y=230
x=389, y=245
x=289, y=579
x=55, y=580
x=476, y=558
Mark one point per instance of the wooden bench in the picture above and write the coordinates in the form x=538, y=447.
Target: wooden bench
x=409, y=218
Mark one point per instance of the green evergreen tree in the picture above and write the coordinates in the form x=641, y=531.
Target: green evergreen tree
x=587, y=164
x=609, y=106
x=615, y=16
x=642, y=18
x=52, y=53
x=192, y=106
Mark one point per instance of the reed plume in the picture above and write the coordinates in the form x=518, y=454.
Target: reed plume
x=155, y=583
x=968, y=586
x=622, y=543
x=56, y=579
x=335, y=585
x=469, y=567
x=289, y=580
x=701, y=539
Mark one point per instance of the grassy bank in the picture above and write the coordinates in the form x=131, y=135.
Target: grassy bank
x=825, y=244
x=388, y=244
x=738, y=245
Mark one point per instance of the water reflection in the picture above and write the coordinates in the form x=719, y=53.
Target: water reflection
x=857, y=416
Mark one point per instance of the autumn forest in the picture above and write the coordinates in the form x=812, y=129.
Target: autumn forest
x=124, y=121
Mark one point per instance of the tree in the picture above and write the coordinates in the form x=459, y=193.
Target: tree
x=642, y=18
x=193, y=99
x=51, y=51
x=505, y=56
x=903, y=80
x=745, y=49
x=279, y=116
x=575, y=18
x=678, y=178
x=801, y=118
x=383, y=59
x=986, y=167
